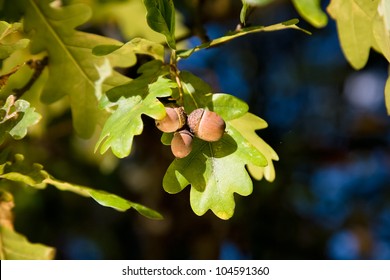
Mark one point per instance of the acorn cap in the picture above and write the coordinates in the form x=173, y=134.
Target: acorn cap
x=206, y=125
x=174, y=119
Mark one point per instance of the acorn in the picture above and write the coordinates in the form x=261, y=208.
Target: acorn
x=206, y=125
x=174, y=119
x=181, y=144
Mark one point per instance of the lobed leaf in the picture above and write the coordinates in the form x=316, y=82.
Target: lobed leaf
x=247, y=125
x=216, y=170
x=161, y=18
x=291, y=24
x=136, y=45
x=71, y=66
x=35, y=176
x=11, y=39
x=14, y=246
x=17, y=117
x=311, y=11
x=136, y=98
x=355, y=28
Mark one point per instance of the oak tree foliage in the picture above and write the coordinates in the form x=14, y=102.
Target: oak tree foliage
x=46, y=59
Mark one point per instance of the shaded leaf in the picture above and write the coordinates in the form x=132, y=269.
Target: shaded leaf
x=311, y=11
x=10, y=39
x=291, y=24
x=14, y=246
x=161, y=18
x=136, y=98
x=35, y=176
x=71, y=67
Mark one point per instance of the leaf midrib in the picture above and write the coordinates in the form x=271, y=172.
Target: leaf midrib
x=60, y=42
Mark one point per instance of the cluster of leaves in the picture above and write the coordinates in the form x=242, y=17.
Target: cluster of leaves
x=43, y=54
x=214, y=170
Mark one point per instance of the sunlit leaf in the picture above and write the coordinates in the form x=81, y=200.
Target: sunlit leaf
x=247, y=126
x=381, y=29
x=14, y=246
x=104, y=198
x=387, y=95
x=355, y=28
x=6, y=205
x=35, y=176
x=136, y=98
x=247, y=4
x=216, y=170
x=17, y=117
x=71, y=67
x=161, y=18
x=291, y=24
x=311, y=11
x=137, y=45
x=29, y=118
x=198, y=94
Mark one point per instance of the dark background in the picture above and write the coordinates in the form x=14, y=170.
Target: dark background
x=327, y=122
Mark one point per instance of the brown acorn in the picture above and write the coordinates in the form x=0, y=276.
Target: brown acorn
x=181, y=144
x=173, y=120
x=206, y=125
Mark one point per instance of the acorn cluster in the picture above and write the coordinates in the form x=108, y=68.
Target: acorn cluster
x=201, y=123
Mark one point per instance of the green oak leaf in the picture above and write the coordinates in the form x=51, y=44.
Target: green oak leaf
x=17, y=117
x=387, y=95
x=198, y=94
x=247, y=125
x=355, y=28
x=216, y=170
x=311, y=11
x=137, y=45
x=291, y=24
x=137, y=98
x=71, y=66
x=29, y=118
x=10, y=39
x=161, y=18
x=33, y=175
x=381, y=29
x=247, y=4
x=14, y=246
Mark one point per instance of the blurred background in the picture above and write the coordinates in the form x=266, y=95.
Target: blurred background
x=327, y=122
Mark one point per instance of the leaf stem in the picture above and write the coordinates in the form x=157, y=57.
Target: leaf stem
x=175, y=74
